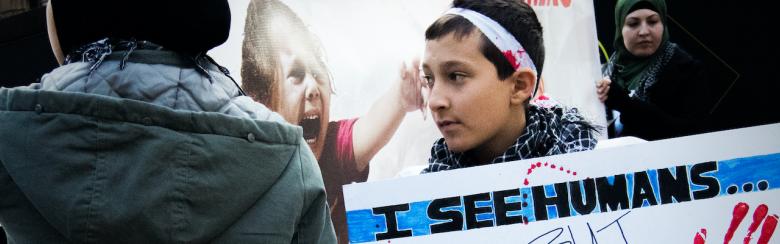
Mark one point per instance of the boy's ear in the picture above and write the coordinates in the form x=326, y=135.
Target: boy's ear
x=524, y=80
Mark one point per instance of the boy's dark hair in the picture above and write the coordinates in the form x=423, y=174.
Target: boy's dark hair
x=515, y=16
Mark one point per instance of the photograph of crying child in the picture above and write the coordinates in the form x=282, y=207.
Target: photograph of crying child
x=283, y=66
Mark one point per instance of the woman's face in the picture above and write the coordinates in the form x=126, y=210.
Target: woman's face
x=304, y=96
x=642, y=32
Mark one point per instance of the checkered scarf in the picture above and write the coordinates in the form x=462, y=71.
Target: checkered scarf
x=549, y=131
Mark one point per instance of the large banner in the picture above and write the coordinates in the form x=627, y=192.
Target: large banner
x=366, y=42
x=710, y=188
x=332, y=67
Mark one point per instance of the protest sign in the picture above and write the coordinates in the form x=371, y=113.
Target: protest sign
x=711, y=187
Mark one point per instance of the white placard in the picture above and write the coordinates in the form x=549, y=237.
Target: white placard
x=666, y=191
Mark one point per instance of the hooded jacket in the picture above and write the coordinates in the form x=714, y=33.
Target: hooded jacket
x=153, y=151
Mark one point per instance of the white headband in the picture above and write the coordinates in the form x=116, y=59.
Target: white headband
x=500, y=37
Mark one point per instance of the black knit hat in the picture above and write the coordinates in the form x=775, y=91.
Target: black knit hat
x=182, y=25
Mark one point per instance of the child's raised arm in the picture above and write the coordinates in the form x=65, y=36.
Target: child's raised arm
x=372, y=131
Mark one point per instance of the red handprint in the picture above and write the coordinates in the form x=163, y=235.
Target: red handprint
x=739, y=213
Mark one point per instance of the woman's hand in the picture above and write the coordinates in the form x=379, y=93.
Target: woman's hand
x=602, y=88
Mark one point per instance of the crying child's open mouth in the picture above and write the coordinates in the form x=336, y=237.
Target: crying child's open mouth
x=311, y=128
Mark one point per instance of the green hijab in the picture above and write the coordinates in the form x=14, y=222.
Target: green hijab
x=632, y=67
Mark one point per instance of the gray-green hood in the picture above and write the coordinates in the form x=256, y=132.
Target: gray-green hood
x=80, y=167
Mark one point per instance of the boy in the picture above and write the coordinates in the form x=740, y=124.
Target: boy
x=481, y=65
x=140, y=138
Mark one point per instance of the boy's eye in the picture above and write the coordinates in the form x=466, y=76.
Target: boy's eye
x=456, y=76
x=428, y=81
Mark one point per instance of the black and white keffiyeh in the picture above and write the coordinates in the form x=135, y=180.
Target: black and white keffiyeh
x=549, y=131
x=639, y=87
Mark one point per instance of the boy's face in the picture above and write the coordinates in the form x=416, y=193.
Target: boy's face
x=304, y=96
x=470, y=105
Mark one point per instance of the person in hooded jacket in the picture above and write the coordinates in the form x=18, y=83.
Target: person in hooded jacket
x=139, y=137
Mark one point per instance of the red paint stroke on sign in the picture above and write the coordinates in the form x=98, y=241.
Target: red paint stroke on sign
x=547, y=165
x=769, y=228
x=700, y=236
x=740, y=210
x=758, y=217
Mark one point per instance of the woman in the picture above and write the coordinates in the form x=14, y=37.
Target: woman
x=658, y=89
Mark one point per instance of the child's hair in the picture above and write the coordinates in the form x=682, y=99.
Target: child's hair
x=269, y=27
x=515, y=16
